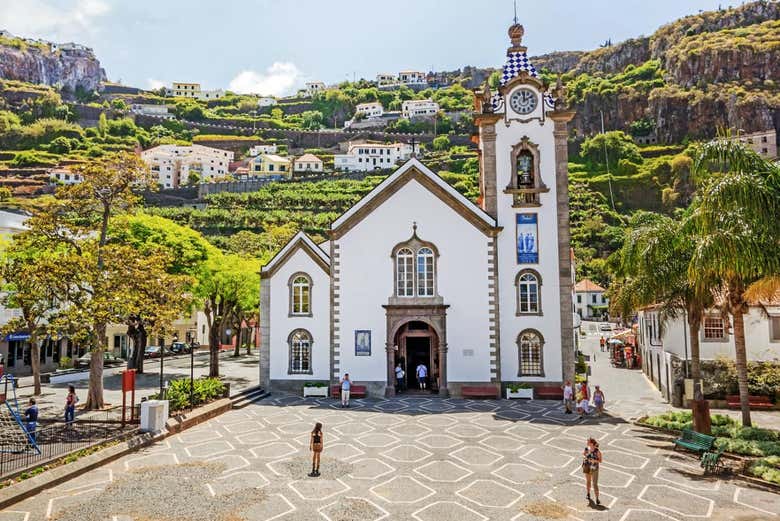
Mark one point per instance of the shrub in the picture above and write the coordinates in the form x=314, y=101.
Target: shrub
x=517, y=386
x=441, y=143
x=30, y=158
x=205, y=390
x=66, y=362
x=766, y=468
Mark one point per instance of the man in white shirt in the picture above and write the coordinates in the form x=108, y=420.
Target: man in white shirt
x=422, y=375
x=399, y=377
x=346, y=385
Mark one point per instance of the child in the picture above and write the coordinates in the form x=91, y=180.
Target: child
x=31, y=417
x=70, y=405
x=315, y=446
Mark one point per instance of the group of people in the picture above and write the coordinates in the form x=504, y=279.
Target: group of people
x=31, y=413
x=578, y=398
x=421, y=372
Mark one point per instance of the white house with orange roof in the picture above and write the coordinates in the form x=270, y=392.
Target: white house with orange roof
x=589, y=300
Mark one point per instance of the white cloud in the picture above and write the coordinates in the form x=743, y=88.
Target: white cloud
x=44, y=19
x=155, y=84
x=279, y=79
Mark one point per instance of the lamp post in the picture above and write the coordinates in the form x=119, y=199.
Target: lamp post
x=162, y=362
x=192, y=374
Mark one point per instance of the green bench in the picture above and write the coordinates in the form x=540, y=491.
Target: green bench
x=710, y=461
x=694, y=441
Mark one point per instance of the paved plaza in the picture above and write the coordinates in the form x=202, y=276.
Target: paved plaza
x=425, y=459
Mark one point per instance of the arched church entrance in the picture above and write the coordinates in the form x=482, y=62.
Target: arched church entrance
x=417, y=334
x=418, y=345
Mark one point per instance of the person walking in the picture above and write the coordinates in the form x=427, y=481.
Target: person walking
x=346, y=385
x=568, y=397
x=591, y=458
x=422, y=375
x=598, y=400
x=602, y=343
x=70, y=405
x=315, y=446
x=399, y=378
x=31, y=418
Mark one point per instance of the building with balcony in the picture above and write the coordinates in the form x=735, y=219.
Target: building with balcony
x=415, y=108
x=370, y=110
x=363, y=157
x=180, y=165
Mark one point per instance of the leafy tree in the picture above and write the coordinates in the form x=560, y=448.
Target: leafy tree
x=619, y=146
x=102, y=124
x=8, y=122
x=60, y=145
x=185, y=252
x=228, y=288
x=189, y=109
x=735, y=221
x=119, y=104
x=311, y=119
x=5, y=193
x=277, y=113
x=441, y=143
x=26, y=272
x=98, y=281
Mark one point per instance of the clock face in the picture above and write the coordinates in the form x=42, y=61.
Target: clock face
x=523, y=101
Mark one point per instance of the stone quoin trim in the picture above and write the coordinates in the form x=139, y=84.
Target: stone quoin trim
x=494, y=328
x=335, y=330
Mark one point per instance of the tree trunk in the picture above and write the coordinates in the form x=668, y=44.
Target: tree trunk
x=239, y=336
x=35, y=362
x=250, y=339
x=214, y=341
x=137, y=332
x=95, y=392
x=741, y=363
x=694, y=328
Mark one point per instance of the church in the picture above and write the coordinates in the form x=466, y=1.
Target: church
x=415, y=272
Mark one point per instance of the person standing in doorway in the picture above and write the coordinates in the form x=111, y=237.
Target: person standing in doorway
x=315, y=446
x=422, y=375
x=591, y=458
x=399, y=378
x=346, y=385
x=31, y=418
x=70, y=405
x=568, y=397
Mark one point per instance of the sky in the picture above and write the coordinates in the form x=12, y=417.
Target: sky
x=273, y=47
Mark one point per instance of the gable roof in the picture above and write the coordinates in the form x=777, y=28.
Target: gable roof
x=308, y=157
x=587, y=285
x=413, y=169
x=302, y=241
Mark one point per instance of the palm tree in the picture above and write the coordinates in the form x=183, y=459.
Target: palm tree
x=735, y=219
x=653, y=263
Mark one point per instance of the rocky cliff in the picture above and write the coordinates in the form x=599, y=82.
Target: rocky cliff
x=71, y=67
x=690, y=78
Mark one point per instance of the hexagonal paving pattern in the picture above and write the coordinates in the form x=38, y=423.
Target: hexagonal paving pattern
x=428, y=459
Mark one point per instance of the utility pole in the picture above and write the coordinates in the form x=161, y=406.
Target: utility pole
x=606, y=161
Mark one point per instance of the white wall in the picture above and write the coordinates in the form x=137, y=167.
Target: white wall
x=549, y=324
x=281, y=324
x=367, y=282
x=758, y=340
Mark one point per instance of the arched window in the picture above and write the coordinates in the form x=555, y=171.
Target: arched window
x=425, y=273
x=405, y=272
x=299, y=343
x=300, y=294
x=528, y=283
x=525, y=169
x=530, y=344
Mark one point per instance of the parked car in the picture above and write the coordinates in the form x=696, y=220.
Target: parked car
x=155, y=351
x=178, y=348
x=109, y=359
x=605, y=326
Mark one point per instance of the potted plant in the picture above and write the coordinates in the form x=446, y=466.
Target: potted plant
x=519, y=390
x=318, y=389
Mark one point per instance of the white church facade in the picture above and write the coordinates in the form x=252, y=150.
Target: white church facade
x=417, y=273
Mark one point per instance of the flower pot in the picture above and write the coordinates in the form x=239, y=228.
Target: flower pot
x=320, y=392
x=520, y=393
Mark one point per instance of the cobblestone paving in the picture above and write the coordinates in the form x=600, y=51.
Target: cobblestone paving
x=425, y=460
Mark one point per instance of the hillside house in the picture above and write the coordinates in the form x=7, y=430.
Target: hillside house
x=415, y=108
x=307, y=164
x=590, y=302
x=384, y=79
x=266, y=148
x=313, y=88
x=266, y=101
x=412, y=78
x=370, y=110
x=363, y=157
x=64, y=176
x=270, y=165
x=177, y=165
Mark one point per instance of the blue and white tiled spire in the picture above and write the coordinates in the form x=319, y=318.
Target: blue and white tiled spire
x=516, y=62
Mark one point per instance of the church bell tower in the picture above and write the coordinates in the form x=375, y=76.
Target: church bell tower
x=524, y=186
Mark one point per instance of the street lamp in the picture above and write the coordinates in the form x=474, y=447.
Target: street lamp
x=192, y=375
x=162, y=362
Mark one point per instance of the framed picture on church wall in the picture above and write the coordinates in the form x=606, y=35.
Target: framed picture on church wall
x=527, y=239
x=362, y=342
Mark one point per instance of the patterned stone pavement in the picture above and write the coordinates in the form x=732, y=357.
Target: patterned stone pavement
x=426, y=460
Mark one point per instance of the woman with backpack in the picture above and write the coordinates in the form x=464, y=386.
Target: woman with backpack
x=315, y=446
